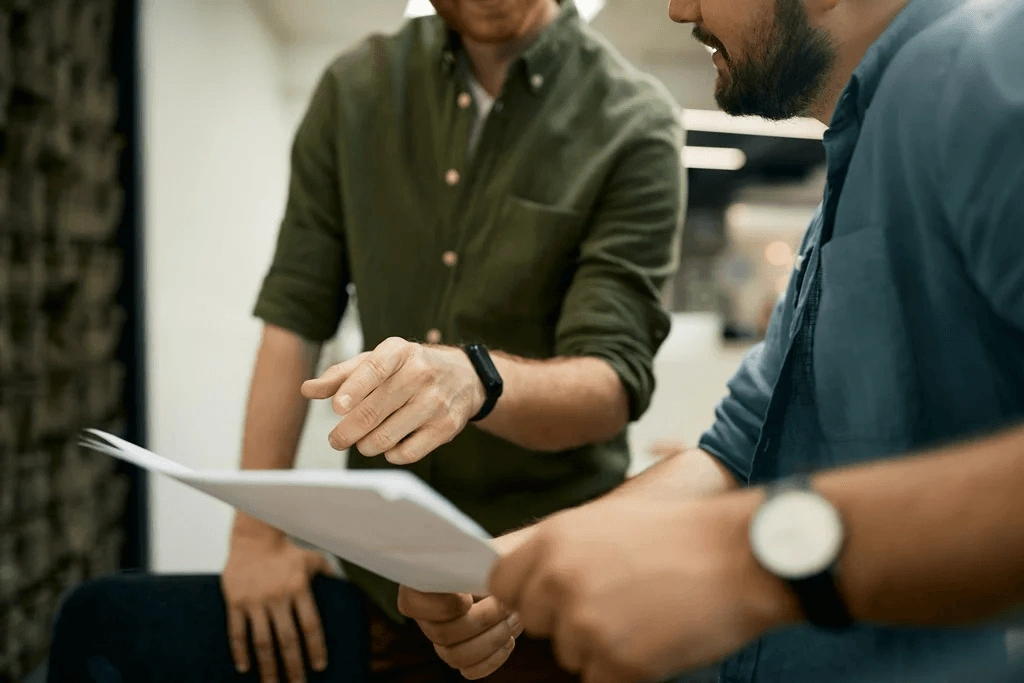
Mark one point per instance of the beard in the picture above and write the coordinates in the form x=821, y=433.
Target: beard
x=786, y=71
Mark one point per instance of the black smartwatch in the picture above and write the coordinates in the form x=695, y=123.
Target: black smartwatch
x=797, y=535
x=488, y=374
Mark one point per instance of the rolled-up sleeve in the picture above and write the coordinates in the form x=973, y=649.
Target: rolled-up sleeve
x=613, y=306
x=740, y=415
x=305, y=289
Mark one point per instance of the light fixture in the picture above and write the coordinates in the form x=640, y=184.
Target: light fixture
x=710, y=121
x=779, y=254
x=588, y=9
x=768, y=219
x=418, y=8
x=714, y=158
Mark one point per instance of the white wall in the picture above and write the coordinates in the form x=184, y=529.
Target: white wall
x=215, y=169
x=691, y=371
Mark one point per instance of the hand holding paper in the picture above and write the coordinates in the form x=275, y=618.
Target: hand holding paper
x=387, y=521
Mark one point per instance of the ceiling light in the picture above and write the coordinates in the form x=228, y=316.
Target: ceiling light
x=588, y=9
x=710, y=121
x=770, y=219
x=418, y=8
x=779, y=254
x=714, y=158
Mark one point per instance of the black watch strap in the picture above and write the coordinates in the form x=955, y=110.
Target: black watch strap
x=821, y=602
x=489, y=376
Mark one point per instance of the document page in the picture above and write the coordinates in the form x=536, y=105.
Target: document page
x=387, y=521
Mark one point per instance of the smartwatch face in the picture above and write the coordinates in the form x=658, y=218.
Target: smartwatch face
x=796, y=535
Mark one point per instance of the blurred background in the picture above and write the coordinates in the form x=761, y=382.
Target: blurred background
x=144, y=169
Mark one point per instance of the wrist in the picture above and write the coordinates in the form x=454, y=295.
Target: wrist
x=249, y=529
x=473, y=386
x=765, y=598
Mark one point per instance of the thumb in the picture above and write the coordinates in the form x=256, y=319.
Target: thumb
x=327, y=384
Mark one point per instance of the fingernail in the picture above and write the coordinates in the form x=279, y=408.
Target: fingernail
x=514, y=625
x=320, y=664
x=345, y=402
x=510, y=644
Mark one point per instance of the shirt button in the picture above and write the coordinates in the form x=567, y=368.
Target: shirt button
x=452, y=177
x=536, y=80
x=434, y=336
x=450, y=258
x=465, y=100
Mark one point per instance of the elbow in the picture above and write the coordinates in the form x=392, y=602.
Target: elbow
x=613, y=424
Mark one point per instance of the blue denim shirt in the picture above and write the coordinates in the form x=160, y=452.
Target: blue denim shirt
x=903, y=324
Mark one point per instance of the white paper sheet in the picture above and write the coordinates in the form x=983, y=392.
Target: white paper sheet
x=387, y=521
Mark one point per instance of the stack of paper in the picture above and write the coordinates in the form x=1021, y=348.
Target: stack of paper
x=386, y=521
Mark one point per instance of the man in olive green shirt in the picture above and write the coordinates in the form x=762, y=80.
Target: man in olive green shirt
x=496, y=175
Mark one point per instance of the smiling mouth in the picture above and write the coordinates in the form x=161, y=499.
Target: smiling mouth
x=711, y=44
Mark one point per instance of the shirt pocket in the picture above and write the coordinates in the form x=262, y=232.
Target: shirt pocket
x=863, y=371
x=528, y=261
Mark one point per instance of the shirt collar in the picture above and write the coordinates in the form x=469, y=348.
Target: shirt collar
x=539, y=60
x=543, y=57
x=917, y=16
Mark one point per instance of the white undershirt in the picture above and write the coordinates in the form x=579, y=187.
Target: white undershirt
x=484, y=104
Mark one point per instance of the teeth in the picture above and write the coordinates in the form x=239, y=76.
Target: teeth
x=710, y=49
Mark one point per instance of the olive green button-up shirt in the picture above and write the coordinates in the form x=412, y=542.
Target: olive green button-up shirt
x=552, y=239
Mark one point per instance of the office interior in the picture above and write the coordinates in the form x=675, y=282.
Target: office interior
x=144, y=175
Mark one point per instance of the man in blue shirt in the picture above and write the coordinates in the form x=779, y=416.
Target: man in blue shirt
x=902, y=326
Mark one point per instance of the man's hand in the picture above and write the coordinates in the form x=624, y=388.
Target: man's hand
x=266, y=588
x=401, y=399
x=473, y=636
x=632, y=590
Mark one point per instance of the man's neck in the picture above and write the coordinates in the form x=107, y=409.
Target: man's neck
x=870, y=20
x=490, y=60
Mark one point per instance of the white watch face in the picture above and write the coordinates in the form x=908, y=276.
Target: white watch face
x=796, y=534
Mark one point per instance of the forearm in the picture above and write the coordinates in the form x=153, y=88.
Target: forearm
x=937, y=539
x=693, y=472
x=276, y=410
x=557, y=404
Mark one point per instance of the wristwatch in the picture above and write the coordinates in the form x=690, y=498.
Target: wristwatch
x=489, y=376
x=797, y=535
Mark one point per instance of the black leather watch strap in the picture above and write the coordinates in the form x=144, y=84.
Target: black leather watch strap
x=821, y=602
x=489, y=376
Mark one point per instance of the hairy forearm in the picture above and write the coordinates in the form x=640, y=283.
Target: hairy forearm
x=937, y=539
x=557, y=404
x=276, y=410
